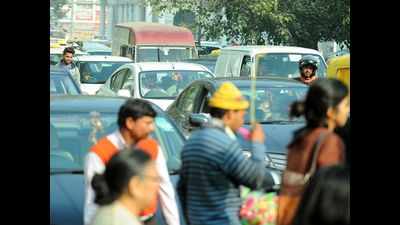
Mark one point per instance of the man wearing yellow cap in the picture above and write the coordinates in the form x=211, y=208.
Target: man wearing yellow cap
x=213, y=164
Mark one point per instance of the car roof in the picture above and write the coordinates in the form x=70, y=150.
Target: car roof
x=102, y=58
x=266, y=81
x=155, y=66
x=88, y=103
x=270, y=48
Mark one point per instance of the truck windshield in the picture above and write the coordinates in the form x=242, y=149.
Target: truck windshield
x=163, y=54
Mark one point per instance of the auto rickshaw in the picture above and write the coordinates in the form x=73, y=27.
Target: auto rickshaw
x=339, y=68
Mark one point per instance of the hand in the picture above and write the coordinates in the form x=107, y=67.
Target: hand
x=257, y=133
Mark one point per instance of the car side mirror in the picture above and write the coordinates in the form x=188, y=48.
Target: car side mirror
x=124, y=93
x=198, y=119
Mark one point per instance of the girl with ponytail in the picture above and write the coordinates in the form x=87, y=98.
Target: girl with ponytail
x=128, y=185
x=325, y=108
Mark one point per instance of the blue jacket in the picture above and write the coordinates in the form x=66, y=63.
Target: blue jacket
x=213, y=167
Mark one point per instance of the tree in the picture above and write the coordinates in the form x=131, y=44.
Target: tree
x=57, y=5
x=290, y=22
x=321, y=20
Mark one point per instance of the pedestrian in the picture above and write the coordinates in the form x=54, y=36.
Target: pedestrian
x=66, y=63
x=213, y=163
x=129, y=184
x=135, y=122
x=316, y=145
x=326, y=199
x=308, y=66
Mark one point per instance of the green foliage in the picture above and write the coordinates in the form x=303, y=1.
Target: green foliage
x=57, y=8
x=290, y=22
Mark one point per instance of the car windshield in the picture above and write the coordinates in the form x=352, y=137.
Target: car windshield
x=60, y=85
x=71, y=137
x=284, y=65
x=94, y=46
x=163, y=54
x=97, y=72
x=168, y=83
x=272, y=103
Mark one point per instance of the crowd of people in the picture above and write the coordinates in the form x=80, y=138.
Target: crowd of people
x=126, y=173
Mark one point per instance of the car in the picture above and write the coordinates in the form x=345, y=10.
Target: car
x=158, y=82
x=207, y=61
x=96, y=48
x=272, y=99
x=280, y=61
x=95, y=69
x=206, y=47
x=62, y=83
x=71, y=131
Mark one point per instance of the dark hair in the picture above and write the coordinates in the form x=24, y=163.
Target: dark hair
x=326, y=199
x=119, y=170
x=217, y=112
x=69, y=50
x=323, y=93
x=135, y=108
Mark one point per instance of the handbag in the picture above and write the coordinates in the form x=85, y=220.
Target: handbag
x=288, y=204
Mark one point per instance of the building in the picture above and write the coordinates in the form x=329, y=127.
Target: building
x=86, y=19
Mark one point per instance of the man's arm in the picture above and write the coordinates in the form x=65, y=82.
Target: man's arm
x=93, y=165
x=249, y=172
x=167, y=192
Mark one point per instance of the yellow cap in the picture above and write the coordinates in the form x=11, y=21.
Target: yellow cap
x=228, y=97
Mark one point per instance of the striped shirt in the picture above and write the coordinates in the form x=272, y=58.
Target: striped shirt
x=213, y=167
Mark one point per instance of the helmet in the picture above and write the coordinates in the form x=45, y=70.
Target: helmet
x=308, y=60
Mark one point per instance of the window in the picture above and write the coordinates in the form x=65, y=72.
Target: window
x=284, y=65
x=118, y=79
x=188, y=99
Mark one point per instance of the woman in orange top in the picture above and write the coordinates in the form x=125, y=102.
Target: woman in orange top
x=326, y=107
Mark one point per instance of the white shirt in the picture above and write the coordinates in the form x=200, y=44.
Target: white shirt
x=93, y=164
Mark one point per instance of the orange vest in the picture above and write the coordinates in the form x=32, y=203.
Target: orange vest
x=105, y=149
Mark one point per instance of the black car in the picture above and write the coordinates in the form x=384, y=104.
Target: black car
x=272, y=99
x=62, y=83
x=71, y=132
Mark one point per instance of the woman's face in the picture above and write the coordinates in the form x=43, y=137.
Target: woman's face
x=342, y=112
x=145, y=188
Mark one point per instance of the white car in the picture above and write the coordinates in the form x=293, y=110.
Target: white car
x=158, y=82
x=95, y=69
x=280, y=61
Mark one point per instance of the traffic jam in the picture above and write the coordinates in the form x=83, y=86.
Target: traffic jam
x=153, y=127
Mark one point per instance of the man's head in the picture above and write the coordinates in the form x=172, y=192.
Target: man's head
x=228, y=104
x=68, y=54
x=137, y=117
x=308, y=68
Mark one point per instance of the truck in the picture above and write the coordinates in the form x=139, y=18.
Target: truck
x=153, y=42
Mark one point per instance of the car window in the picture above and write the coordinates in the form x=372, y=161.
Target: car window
x=129, y=80
x=62, y=85
x=97, y=72
x=272, y=103
x=187, y=101
x=167, y=83
x=71, y=136
x=118, y=79
x=284, y=65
